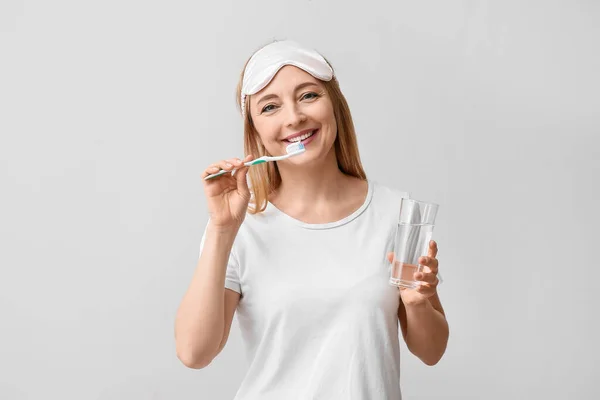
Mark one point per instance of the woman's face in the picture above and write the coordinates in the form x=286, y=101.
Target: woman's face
x=293, y=107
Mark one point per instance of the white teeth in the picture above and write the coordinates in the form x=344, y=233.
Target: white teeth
x=302, y=137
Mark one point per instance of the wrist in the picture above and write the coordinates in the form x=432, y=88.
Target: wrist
x=418, y=306
x=226, y=233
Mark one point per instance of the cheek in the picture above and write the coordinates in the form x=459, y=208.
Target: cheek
x=268, y=136
x=328, y=117
x=325, y=111
x=333, y=126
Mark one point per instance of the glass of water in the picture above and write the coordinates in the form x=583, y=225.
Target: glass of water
x=415, y=230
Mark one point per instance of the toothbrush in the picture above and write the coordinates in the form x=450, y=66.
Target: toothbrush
x=291, y=150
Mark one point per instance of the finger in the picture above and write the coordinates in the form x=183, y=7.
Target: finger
x=426, y=277
x=223, y=164
x=429, y=270
x=390, y=257
x=242, y=181
x=236, y=162
x=209, y=171
x=429, y=262
x=433, y=249
x=227, y=165
x=425, y=288
x=239, y=164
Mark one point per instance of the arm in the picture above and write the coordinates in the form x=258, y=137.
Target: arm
x=422, y=318
x=425, y=329
x=204, y=316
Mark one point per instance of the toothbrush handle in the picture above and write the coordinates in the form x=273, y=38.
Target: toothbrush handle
x=222, y=172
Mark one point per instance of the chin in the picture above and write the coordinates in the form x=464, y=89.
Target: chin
x=316, y=155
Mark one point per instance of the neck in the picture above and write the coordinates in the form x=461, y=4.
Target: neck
x=312, y=186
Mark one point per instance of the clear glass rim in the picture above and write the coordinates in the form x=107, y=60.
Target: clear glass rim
x=428, y=203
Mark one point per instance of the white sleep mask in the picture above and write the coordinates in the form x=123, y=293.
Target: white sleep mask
x=267, y=61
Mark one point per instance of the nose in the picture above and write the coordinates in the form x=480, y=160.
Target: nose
x=294, y=116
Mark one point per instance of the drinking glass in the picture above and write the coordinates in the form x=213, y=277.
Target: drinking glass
x=415, y=230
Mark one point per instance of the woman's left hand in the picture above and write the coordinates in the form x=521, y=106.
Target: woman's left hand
x=427, y=278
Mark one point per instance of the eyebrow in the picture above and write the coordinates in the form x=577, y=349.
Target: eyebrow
x=274, y=96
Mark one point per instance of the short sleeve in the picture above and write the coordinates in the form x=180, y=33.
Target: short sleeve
x=232, y=275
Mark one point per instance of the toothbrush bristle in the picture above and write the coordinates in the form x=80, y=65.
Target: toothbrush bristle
x=294, y=147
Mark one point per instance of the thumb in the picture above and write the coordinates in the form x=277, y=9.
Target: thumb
x=241, y=179
x=390, y=257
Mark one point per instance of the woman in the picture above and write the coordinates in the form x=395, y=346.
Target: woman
x=303, y=256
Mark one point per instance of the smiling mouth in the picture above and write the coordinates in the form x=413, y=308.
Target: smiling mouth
x=301, y=137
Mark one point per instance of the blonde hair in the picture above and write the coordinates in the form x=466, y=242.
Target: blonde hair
x=265, y=177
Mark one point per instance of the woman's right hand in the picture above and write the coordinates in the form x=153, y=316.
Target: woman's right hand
x=227, y=195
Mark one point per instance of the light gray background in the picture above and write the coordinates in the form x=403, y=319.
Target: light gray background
x=110, y=110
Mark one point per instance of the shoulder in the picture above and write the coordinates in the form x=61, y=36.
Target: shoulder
x=259, y=223
x=387, y=194
x=385, y=201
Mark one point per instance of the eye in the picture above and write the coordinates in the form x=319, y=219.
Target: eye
x=268, y=108
x=309, y=95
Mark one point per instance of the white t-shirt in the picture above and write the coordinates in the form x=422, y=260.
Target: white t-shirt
x=317, y=314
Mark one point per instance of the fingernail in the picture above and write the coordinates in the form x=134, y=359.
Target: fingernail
x=227, y=165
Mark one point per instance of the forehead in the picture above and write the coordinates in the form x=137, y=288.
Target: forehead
x=287, y=78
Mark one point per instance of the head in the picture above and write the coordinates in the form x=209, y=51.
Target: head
x=286, y=90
